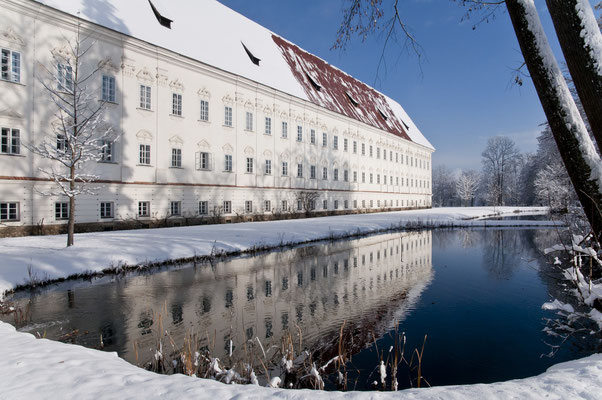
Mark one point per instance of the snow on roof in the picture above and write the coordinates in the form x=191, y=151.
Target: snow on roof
x=212, y=33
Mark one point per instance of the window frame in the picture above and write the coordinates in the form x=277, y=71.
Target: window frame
x=109, y=88
x=144, y=156
x=103, y=209
x=10, y=65
x=176, y=157
x=145, y=97
x=10, y=141
x=143, y=209
x=176, y=104
x=228, y=116
x=10, y=207
x=204, y=110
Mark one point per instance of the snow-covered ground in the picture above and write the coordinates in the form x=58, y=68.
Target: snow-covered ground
x=47, y=258
x=38, y=368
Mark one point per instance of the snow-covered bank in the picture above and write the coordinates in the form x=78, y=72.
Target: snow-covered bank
x=46, y=257
x=38, y=368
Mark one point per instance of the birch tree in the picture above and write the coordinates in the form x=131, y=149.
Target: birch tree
x=77, y=135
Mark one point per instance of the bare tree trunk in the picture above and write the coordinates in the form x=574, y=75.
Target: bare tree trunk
x=71, y=224
x=580, y=60
x=567, y=127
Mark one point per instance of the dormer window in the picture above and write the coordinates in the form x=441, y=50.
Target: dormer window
x=252, y=57
x=352, y=99
x=166, y=22
x=313, y=81
x=404, y=124
x=382, y=113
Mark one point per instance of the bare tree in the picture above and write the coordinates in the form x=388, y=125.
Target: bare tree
x=467, y=186
x=497, y=158
x=78, y=134
x=308, y=200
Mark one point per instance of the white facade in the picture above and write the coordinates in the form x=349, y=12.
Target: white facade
x=178, y=144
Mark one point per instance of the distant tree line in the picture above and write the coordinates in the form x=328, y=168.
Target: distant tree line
x=508, y=177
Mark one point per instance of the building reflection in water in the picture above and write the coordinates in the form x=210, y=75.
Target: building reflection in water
x=368, y=283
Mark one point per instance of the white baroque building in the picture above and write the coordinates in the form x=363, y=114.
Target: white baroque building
x=215, y=115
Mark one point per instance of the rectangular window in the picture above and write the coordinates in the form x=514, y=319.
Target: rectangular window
x=228, y=162
x=284, y=205
x=10, y=141
x=378, y=178
x=336, y=174
x=268, y=167
x=335, y=143
x=325, y=173
x=363, y=177
x=284, y=129
x=176, y=158
x=370, y=151
x=299, y=205
x=203, y=208
x=371, y=176
x=227, y=207
x=267, y=206
x=363, y=149
x=354, y=176
x=144, y=208
x=336, y=204
x=249, y=121
x=106, y=209
x=354, y=147
x=390, y=155
x=204, y=110
x=11, y=66
x=108, y=88
x=175, y=207
x=354, y=203
x=299, y=133
x=268, y=126
x=106, y=151
x=284, y=168
x=345, y=144
x=378, y=152
x=9, y=211
x=145, y=97
x=249, y=165
x=312, y=136
x=396, y=157
x=299, y=170
x=346, y=176
x=61, y=142
x=324, y=139
x=61, y=210
x=64, y=77
x=176, y=104
x=248, y=206
x=346, y=204
x=145, y=154
x=203, y=161
x=312, y=172
x=325, y=204
x=228, y=116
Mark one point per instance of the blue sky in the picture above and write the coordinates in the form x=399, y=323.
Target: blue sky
x=459, y=95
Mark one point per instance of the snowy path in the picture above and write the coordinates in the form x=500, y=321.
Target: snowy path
x=50, y=259
x=42, y=369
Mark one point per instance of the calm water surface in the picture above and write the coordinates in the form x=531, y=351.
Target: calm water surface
x=477, y=294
